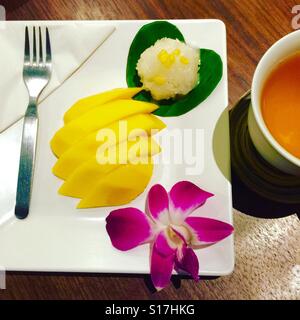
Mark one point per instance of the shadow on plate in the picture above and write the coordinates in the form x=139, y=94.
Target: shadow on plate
x=221, y=150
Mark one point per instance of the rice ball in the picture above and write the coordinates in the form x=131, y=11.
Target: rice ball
x=169, y=68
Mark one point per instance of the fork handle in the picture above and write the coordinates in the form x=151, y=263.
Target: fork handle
x=27, y=160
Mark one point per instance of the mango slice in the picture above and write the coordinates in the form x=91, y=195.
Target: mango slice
x=97, y=118
x=87, y=104
x=119, y=187
x=86, y=148
x=86, y=177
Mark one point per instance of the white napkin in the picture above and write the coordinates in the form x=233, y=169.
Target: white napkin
x=72, y=44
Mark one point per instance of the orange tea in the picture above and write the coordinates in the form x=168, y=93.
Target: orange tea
x=281, y=104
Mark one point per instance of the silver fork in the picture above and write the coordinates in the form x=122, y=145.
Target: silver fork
x=36, y=73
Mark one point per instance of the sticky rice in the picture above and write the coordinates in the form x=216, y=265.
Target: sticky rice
x=169, y=68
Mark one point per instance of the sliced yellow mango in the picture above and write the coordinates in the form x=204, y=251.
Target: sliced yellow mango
x=119, y=187
x=87, y=104
x=86, y=148
x=87, y=175
x=97, y=118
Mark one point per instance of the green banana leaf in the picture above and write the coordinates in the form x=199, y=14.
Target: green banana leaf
x=210, y=72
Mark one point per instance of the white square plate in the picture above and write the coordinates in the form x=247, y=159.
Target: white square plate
x=58, y=237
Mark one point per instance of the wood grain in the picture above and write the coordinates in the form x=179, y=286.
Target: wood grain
x=252, y=26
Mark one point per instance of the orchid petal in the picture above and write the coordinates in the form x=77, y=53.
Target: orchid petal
x=161, y=268
x=205, y=230
x=187, y=261
x=185, y=197
x=128, y=228
x=158, y=204
x=163, y=246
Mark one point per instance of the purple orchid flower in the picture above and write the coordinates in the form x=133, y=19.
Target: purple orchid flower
x=167, y=225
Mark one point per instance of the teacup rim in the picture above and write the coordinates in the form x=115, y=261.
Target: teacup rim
x=255, y=100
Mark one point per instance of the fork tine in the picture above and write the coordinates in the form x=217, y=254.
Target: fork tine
x=48, y=47
x=34, y=60
x=27, y=47
x=41, y=60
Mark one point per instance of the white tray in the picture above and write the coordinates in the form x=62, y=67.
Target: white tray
x=58, y=237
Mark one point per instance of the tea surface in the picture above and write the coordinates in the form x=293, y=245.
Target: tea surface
x=281, y=104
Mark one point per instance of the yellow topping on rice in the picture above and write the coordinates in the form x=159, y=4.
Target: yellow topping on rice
x=184, y=60
x=176, y=52
x=166, y=58
x=159, y=80
x=163, y=56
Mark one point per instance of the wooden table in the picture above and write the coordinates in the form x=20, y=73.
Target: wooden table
x=252, y=27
